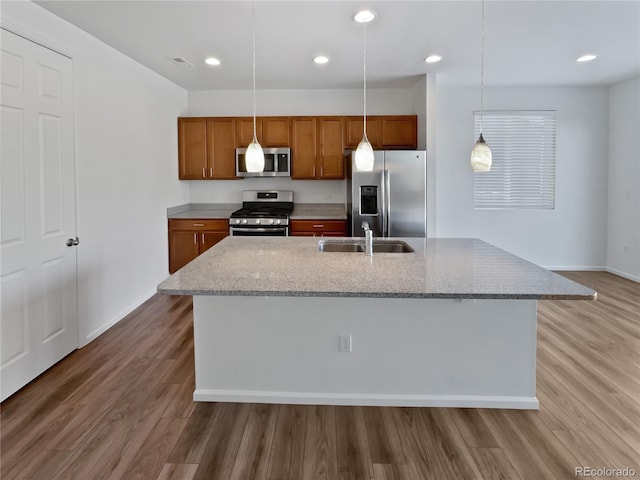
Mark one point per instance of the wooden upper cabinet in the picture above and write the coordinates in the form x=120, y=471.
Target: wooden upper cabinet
x=207, y=146
x=192, y=148
x=244, y=131
x=221, y=148
x=275, y=131
x=303, y=147
x=330, y=156
x=353, y=131
x=399, y=131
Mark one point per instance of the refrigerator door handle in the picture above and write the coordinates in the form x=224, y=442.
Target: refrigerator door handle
x=383, y=203
x=387, y=196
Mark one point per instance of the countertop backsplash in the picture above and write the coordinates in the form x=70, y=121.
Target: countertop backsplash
x=304, y=191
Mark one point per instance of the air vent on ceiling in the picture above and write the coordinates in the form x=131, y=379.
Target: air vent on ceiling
x=181, y=61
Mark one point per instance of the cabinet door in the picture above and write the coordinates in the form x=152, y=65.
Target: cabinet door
x=192, y=148
x=275, y=131
x=306, y=228
x=353, y=131
x=221, y=148
x=399, y=131
x=330, y=157
x=209, y=239
x=303, y=147
x=244, y=131
x=183, y=247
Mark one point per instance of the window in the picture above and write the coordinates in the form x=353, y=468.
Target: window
x=523, y=147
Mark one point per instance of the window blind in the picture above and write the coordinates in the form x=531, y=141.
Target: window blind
x=523, y=147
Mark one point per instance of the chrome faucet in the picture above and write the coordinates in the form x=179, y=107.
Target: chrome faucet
x=368, y=239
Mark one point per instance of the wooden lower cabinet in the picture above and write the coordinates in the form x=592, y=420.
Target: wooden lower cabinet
x=318, y=228
x=189, y=238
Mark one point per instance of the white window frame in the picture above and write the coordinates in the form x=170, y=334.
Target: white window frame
x=523, y=170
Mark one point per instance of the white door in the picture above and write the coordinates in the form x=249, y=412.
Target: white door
x=39, y=322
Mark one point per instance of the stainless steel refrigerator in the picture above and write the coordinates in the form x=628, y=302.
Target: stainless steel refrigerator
x=392, y=198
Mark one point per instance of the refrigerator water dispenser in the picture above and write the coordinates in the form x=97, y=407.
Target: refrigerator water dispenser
x=368, y=200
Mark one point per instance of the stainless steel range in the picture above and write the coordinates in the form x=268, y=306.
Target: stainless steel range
x=262, y=213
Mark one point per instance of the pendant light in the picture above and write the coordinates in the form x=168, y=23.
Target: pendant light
x=481, y=153
x=254, y=157
x=364, y=151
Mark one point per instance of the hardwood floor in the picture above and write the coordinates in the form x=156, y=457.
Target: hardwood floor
x=121, y=408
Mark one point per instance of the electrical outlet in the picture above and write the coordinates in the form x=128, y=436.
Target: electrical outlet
x=626, y=249
x=346, y=345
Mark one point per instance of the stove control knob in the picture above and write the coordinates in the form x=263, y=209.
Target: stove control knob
x=244, y=220
x=271, y=222
x=237, y=221
x=277, y=222
x=257, y=221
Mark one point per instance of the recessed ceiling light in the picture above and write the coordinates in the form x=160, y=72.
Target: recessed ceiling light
x=212, y=61
x=364, y=16
x=321, y=60
x=433, y=58
x=586, y=58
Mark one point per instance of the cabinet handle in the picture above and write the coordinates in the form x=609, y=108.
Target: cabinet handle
x=204, y=174
x=202, y=238
x=318, y=226
x=322, y=171
x=195, y=238
x=198, y=224
x=314, y=171
x=211, y=172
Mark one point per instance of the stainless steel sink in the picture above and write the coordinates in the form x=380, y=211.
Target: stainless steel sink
x=391, y=246
x=379, y=246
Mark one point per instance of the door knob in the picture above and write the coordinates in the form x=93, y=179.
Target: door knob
x=72, y=242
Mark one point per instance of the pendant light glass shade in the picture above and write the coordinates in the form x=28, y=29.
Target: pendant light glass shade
x=364, y=156
x=481, y=156
x=254, y=156
x=364, y=152
x=481, y=153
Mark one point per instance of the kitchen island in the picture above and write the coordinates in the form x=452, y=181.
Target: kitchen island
x=451, y=324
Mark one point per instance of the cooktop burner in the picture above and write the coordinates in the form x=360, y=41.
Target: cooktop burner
x=264, y=208
x=263, y=212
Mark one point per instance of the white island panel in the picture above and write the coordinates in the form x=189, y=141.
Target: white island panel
x=410, y=351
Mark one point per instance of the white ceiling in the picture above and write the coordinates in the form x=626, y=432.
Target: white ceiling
x=526, y=42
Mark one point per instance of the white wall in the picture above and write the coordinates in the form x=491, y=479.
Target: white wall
x=126, y=151
x=292, y=102
x=623, y=232
x=571, y=236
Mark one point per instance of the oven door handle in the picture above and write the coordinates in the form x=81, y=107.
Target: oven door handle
x=258, y=229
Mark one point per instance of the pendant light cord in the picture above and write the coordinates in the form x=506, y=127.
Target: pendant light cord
x=253, y=19
x=482, y=69
x=364, y=72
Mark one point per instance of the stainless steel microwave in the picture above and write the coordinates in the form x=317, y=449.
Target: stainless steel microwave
x=277, y=163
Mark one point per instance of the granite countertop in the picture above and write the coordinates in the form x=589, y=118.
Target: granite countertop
x=319, y=211
x=302, y=211
x=203, y=210
x=439, y=268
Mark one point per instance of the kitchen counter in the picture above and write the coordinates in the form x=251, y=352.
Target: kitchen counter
x=451, y=325
x=203, y=210
x=302, y=211
x=319, y=211
x=440, y=268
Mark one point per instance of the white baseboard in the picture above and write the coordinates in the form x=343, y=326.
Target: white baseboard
x=622, y=274
x=366, y=399
x=617, y=272
x=115, y=319
x=582, y=268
